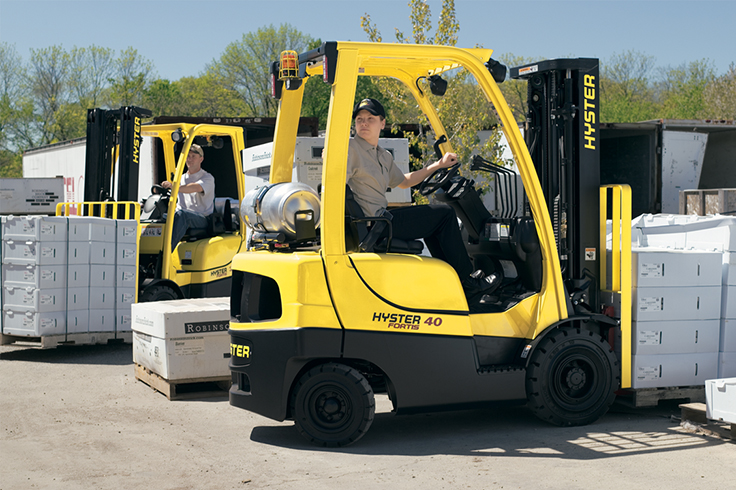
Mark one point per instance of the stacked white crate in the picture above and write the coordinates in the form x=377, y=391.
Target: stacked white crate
x=126, y=268
x=34, y=250
x=676, y=298
x=715, y=233
x=64, y=276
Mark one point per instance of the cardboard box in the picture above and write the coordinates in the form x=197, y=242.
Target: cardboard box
x=102, y=275
x=670, y=370
x=102, y=298
x=102, y=253
x=33, y=275
x=34, y=300
x=182, y=339
x=102, y=320
x=675, y=337
x=127, y=230
x=676, y=303
x=78, y=276
x=727, y=335
x=720, y=399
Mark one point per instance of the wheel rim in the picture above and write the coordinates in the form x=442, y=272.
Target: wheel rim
x=330, y=408
x=577, y=377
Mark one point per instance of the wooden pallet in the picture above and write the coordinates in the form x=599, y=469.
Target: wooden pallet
x=650, y=397
x=184, y=389
x=84, y=338
x=696, y=413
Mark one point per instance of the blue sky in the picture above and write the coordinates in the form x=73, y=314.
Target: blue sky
x=180, y=36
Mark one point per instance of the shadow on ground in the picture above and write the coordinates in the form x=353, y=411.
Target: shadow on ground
x=510, y=431
x=100, y=354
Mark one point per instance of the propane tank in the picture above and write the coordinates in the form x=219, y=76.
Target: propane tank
x=275, y=208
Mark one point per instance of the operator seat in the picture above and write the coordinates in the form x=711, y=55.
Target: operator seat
x=357, y=232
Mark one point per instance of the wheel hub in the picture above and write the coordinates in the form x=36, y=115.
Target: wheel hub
x=576, y=378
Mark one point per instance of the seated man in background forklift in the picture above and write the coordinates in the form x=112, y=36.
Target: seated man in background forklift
x=196, y=198
x=371, y=171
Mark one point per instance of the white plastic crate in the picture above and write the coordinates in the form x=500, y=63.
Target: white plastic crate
x=726, y=364
x=672, y=268
x=720, y=399
x=127, y=254
x=667, y=370
x=37, y=276
x=728, y=302
x=127, y=231
x=727, y=335
x=34, y=300
x=77, y=299
x=102, y=298
x=78, y=253
x=101, y=275
x=102, y=253
x=34, y=252
x=30, y=324
x=676, y=303
x=101, y=320
x=77, y=321
x=126, y=276
x=675, y=337
x=78, y=276
x=36, y=228
x=125, y=296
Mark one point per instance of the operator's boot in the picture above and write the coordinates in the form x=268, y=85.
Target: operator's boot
x=479, y=283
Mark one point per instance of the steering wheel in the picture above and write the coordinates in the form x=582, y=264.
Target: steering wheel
x=438, y=179
x=159, y=189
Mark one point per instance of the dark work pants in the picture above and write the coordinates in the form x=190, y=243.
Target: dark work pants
x=437, y=225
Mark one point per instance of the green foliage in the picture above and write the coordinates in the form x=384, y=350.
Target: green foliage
x=682, y=90
x=11, y=164
x=244, y=66
x=626, y=94
x=132, y=76
x=720, y=96
x=463, y=110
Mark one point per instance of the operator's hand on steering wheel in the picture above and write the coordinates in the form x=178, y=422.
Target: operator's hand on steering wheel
x=448, y=160
x=166, y=184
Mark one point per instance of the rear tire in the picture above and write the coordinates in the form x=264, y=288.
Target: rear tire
x=157, y=293
x=572, y=377
x=332, y=405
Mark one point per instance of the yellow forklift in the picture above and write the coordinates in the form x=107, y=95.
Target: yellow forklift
x=199, y=266
x=323, y=317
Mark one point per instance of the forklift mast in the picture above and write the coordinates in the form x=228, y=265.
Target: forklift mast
x=564, y=142
x=110, y=132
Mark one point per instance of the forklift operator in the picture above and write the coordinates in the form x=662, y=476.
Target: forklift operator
x=196, y=198
x=371, y=171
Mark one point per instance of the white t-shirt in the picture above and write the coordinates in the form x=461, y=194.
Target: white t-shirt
x=202, y=203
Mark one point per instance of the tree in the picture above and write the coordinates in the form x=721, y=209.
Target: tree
x=48, y=73
x=131, y=77
x=626, y=95
x=464, y=110
x=720, y=96
x=90, y=71
x=14, y=98
x=244, y=66
x=682, y=90
x=208, y=96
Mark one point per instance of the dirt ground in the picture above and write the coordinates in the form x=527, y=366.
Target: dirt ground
x=76, y=418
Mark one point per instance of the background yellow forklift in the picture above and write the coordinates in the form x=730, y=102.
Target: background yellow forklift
x=320, y=323
x=199, y=266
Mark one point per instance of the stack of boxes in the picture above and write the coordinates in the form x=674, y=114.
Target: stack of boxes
x=676, y=298
x=34, y=254
x=64, y=276
x=727, y=345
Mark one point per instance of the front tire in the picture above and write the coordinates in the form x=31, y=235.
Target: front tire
x=157, y=293
x=332, y=405
x=572, y=377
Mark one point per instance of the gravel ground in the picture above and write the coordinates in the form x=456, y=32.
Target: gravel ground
x=75, y=417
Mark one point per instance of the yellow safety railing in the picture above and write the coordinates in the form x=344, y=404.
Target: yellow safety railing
x=620, y=280
x=102, y=209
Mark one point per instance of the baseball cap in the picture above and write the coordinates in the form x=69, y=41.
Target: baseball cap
x=370, y=105
x=197, y=149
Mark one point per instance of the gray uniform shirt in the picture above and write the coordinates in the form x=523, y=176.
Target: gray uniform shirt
x=371, y=171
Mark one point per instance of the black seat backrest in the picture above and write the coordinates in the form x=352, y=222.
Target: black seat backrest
x=356, y=231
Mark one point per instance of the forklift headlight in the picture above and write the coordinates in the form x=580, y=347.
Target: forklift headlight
x=437, y=85
x=215, y=142
x=177, y=136
x=498, y=71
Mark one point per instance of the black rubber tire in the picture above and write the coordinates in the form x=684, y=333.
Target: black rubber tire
x=332, y=405
x=572, y=377
x=157, y=293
